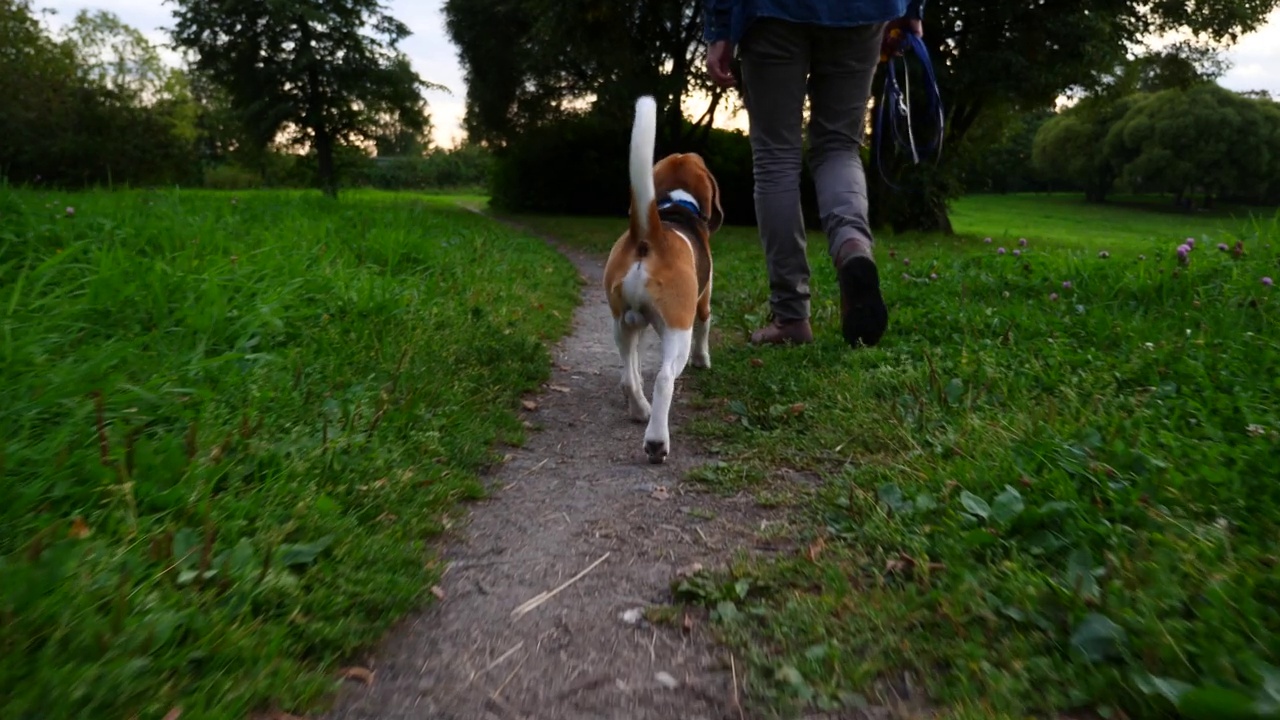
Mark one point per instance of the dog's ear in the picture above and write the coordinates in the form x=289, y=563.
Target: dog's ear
x=715, y=214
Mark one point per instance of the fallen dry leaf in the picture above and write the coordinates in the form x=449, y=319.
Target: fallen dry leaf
x=816, y=549
x=558, y=388
x=79, y=529
x=687, y=624
x=660, y=493
x=358, y=674
x=173, y=714
x=435, y=590
x=757, y=362
x=689, y=570
x=797, y=408
x=530, y=405
x=900, y=563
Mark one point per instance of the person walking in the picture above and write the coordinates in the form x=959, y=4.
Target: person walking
x=826, y=50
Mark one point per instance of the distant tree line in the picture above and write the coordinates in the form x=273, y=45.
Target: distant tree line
x=1160, y=124
x=1195, y=144
x=557, y=80
x=291, y=93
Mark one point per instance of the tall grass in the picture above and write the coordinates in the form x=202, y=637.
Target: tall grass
x=229, y=427
x=1052, y=488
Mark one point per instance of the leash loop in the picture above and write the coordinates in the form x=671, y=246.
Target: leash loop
x=895, y=100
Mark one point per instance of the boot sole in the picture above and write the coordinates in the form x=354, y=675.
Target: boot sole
x=864, y=317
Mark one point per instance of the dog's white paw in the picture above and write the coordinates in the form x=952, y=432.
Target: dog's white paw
x=700, y=360
x=657, y=450
x=639, y=412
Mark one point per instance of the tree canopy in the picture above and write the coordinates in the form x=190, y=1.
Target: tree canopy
x=319, y=74
x=90, y=104
x=999, y=58
x=528, y=62
x=531, y=62
x=1202, y=139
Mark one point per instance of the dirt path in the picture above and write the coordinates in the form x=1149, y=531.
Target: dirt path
x=580, y=490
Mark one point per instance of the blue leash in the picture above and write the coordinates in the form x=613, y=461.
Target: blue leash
x=894, y=100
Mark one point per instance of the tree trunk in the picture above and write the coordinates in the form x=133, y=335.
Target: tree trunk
x=321, y=136
x=324, y=163
x=920, y=199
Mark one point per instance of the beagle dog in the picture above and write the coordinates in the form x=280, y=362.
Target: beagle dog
x=659, y=273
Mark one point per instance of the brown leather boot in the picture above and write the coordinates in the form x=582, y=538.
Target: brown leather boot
x=782, y=332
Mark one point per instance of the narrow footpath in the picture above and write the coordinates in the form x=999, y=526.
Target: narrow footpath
x=578, y=503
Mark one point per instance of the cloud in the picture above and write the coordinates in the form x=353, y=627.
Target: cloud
x=1255, y=60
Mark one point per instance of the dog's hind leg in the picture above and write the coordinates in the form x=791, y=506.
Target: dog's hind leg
x=701, y=357
x=676, y=345
x=627, y=337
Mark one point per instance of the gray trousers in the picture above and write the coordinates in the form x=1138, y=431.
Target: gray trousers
x=781, y=63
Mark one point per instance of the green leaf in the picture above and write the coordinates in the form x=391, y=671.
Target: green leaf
x=186, y=543
x=891, y=495
x=302, y=553
x=975, y=505
x=924, y=501
x=1213, y=703
x=791, y=676
x=1098, y=638
x=326, y=505
x=726, y=611
x=1080, y=573
x=1168, y=688
x=955, y=390
x=1007, y=506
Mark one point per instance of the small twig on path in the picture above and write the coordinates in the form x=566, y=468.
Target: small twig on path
x=534, y=602
x=733, y=668
x=524, y=475
x=497, y=662
x=498, y=692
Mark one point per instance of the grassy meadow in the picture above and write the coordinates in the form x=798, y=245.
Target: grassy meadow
x=230, y=426
x=1053, y=488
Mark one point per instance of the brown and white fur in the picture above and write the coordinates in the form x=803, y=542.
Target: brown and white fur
x=659, y=273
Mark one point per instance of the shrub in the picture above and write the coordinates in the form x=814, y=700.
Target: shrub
x=231, y=177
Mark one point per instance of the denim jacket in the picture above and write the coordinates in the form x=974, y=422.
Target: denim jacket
x=728, y=19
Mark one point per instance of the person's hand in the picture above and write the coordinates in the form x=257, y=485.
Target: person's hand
x=891, y=44
x=719, y=59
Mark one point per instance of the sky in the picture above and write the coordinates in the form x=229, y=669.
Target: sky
x=1255, y=59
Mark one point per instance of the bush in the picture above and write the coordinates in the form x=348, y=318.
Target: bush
x=231, y=177
x=468, y=166
x=591, y=157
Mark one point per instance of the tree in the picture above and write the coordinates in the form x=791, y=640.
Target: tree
x=320, y=72
x=998, y=155
x=998, y=57
x=397, y=139
x=93, y=105
x=528, y=62
x=1069, y=148
x=117, y=57
x=1206, y=139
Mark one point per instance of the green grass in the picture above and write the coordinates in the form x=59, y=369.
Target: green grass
x=230, y=425
x=1036, y=499
x=1124, y=223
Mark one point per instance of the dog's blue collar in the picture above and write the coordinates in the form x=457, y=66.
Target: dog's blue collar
x=681, y=198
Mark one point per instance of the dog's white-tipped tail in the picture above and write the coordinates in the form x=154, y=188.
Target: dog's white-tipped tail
x=644, y=211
